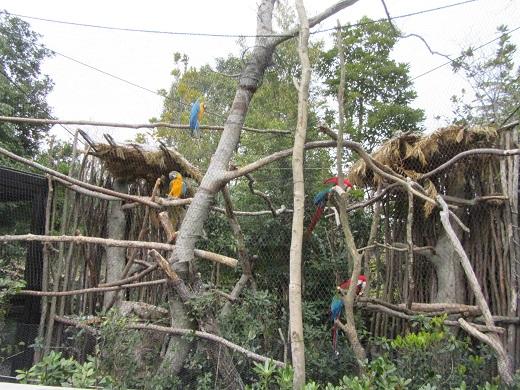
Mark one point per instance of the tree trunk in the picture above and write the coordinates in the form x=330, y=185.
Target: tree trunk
x=182, y=258
x=295, y=256
x=115, y=256
x=178, y=347
x=451, y=286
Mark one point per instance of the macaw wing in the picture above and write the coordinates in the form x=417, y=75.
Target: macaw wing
x=194, y=120
x=184, y=189
x=336, y=306
x=321, y=197
x=345, y=284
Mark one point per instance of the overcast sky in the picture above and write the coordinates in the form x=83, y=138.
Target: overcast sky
x=147, y=59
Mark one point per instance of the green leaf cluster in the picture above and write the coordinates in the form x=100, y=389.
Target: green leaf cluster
x=23, y=88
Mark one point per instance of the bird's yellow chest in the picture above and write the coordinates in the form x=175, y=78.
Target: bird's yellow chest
x=176, y=187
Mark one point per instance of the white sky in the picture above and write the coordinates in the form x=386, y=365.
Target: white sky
x=147, y=59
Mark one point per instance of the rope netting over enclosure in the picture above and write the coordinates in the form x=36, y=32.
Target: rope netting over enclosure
x=108, y=285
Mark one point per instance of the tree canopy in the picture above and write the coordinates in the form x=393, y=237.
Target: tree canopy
x=378, y=90
x=23, y=88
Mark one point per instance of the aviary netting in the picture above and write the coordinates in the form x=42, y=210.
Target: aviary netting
x=482, y=190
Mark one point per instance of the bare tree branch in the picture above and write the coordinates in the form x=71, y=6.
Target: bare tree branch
x=130, y=125
x=79, y=183
x=229, y=261
x=176, y=331
x=504, y=365
x=90, y=290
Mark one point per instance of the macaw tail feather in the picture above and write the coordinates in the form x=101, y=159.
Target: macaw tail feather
x=194, y=126
x=315, y=218
x=334, y=333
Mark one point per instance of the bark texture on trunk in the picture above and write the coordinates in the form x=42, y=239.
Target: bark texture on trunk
x=115, y=256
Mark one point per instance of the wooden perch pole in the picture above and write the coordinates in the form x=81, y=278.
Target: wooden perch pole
x=409, y=241
x=90, y=289
x=154, y=125
x=229, y=261
x=166, y=223
x=295, y=255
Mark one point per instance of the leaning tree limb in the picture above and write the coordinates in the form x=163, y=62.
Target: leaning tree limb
x=350, y=327
x=175, y=331
x=77, y=182
x=217, y=175
x=408, y=317
x=243, y=254
x=229, y=372
x=503, y=362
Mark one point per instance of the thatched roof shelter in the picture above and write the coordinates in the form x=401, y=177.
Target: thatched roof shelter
x=416, y=154
x=132, y=162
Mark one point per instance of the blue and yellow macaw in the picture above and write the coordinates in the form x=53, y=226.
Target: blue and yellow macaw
x=178, y=187
x=197, y=109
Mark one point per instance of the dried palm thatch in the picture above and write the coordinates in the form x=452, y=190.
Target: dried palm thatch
x=132, y=162
x=415, y=154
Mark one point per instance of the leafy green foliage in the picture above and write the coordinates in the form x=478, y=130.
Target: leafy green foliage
x=56, y=370
x=494, y=81
x=272, y=377
x=378, y=90
x=435, y=356
x=23, y=89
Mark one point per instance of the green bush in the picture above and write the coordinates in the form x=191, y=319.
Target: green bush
x=56, y=370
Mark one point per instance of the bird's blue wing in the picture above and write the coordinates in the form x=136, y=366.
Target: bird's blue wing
x=336, y=306
x=321, y=197
x=194, y=120
x=184, y=189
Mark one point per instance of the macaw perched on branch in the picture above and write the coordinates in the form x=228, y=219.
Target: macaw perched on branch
x=360, y=286
x=178, y=187
x=336, y=306
x=197, y=109
x=320, y=200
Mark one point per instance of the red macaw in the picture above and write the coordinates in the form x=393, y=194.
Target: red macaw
x=334, y=180
x=320, y=200
x=360, y=287
x=336, y=306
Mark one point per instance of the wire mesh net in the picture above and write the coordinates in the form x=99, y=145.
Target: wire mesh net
x=246, y=305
